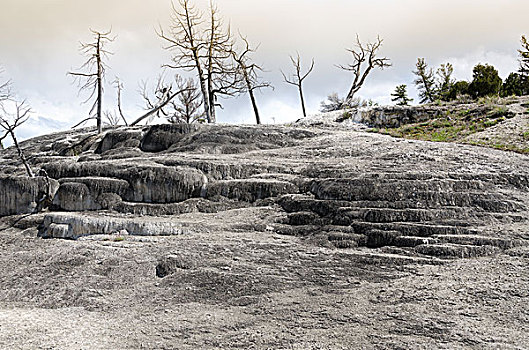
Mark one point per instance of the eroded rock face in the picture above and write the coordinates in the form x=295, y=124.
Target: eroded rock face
x=74, y=196
x=133, y=182
x=164, y=184
x=22, y=195
x=169, y=264
x=395, y=116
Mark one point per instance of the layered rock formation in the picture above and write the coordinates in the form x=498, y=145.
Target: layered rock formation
x=349, y=188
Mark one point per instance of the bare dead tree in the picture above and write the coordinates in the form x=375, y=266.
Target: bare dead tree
x=364, y=60
x=5, y=93
x=92, y=80
x=5, y=90
x=186, y=108
x=111, y=118
x=12, y=115
x=298, y=77
x=203, y=46
x=119, y=87
x=250, y=74
x=223, y=74
x=163, y=95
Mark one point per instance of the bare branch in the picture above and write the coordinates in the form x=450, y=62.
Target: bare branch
x=157, y=108
x=119, y=87
x=11, y=118
x=298, y=77
x=82, y=122
x=93, y=80
x=364, y=60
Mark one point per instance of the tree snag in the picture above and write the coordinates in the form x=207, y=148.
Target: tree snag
x=249, y=72
x=93, y=79
x=12, y=115
x=298, y=77
x=364, y=60
x=205, y=47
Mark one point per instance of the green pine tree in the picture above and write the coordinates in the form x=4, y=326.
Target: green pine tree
x=425, y=81
x=524, y=57
x=401, y=96
x=445, y=81
x=485, y=82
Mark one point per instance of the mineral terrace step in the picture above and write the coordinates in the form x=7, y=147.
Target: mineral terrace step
x=478, y=240
x=487, y=202
x=75, y=225
x=455, y=250
x=412, y=229
x=376, y=189
x=347, y=216
x=413, y=241
x=377, y=258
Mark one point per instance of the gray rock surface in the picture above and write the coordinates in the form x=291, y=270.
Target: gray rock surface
x=393, y=193
x=233, y=236
x=22, y=195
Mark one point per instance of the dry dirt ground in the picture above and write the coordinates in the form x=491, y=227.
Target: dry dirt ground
x=237, y=282
x=248, y=289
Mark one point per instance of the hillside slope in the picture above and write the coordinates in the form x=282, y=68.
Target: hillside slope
x=308, y=236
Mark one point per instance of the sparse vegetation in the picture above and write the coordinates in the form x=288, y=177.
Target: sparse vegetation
x=425, y=81
x=485, y=82
x=451, y=127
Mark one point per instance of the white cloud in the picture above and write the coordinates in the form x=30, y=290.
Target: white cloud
x=40, y=44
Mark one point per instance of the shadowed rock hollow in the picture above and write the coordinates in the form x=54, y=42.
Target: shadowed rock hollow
x=238, y=216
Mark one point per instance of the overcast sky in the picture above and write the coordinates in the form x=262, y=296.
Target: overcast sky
x=39, y=41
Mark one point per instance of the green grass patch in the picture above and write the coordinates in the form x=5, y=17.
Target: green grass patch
x=454, y=126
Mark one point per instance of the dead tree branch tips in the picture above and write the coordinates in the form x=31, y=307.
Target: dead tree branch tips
x=364, y=60
x=205, y=47
x=92, y=79
x=298, y=77
x=249, y=72
x=163, y=96
x=13, y=114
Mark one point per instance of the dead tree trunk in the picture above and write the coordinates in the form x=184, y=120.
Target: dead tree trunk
x=99, y=86
x=205, y=50
x=10, y=119
x=297, y=79
x=250, y=73
x=364, y=60
x=21, y=154
x=93, y=81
